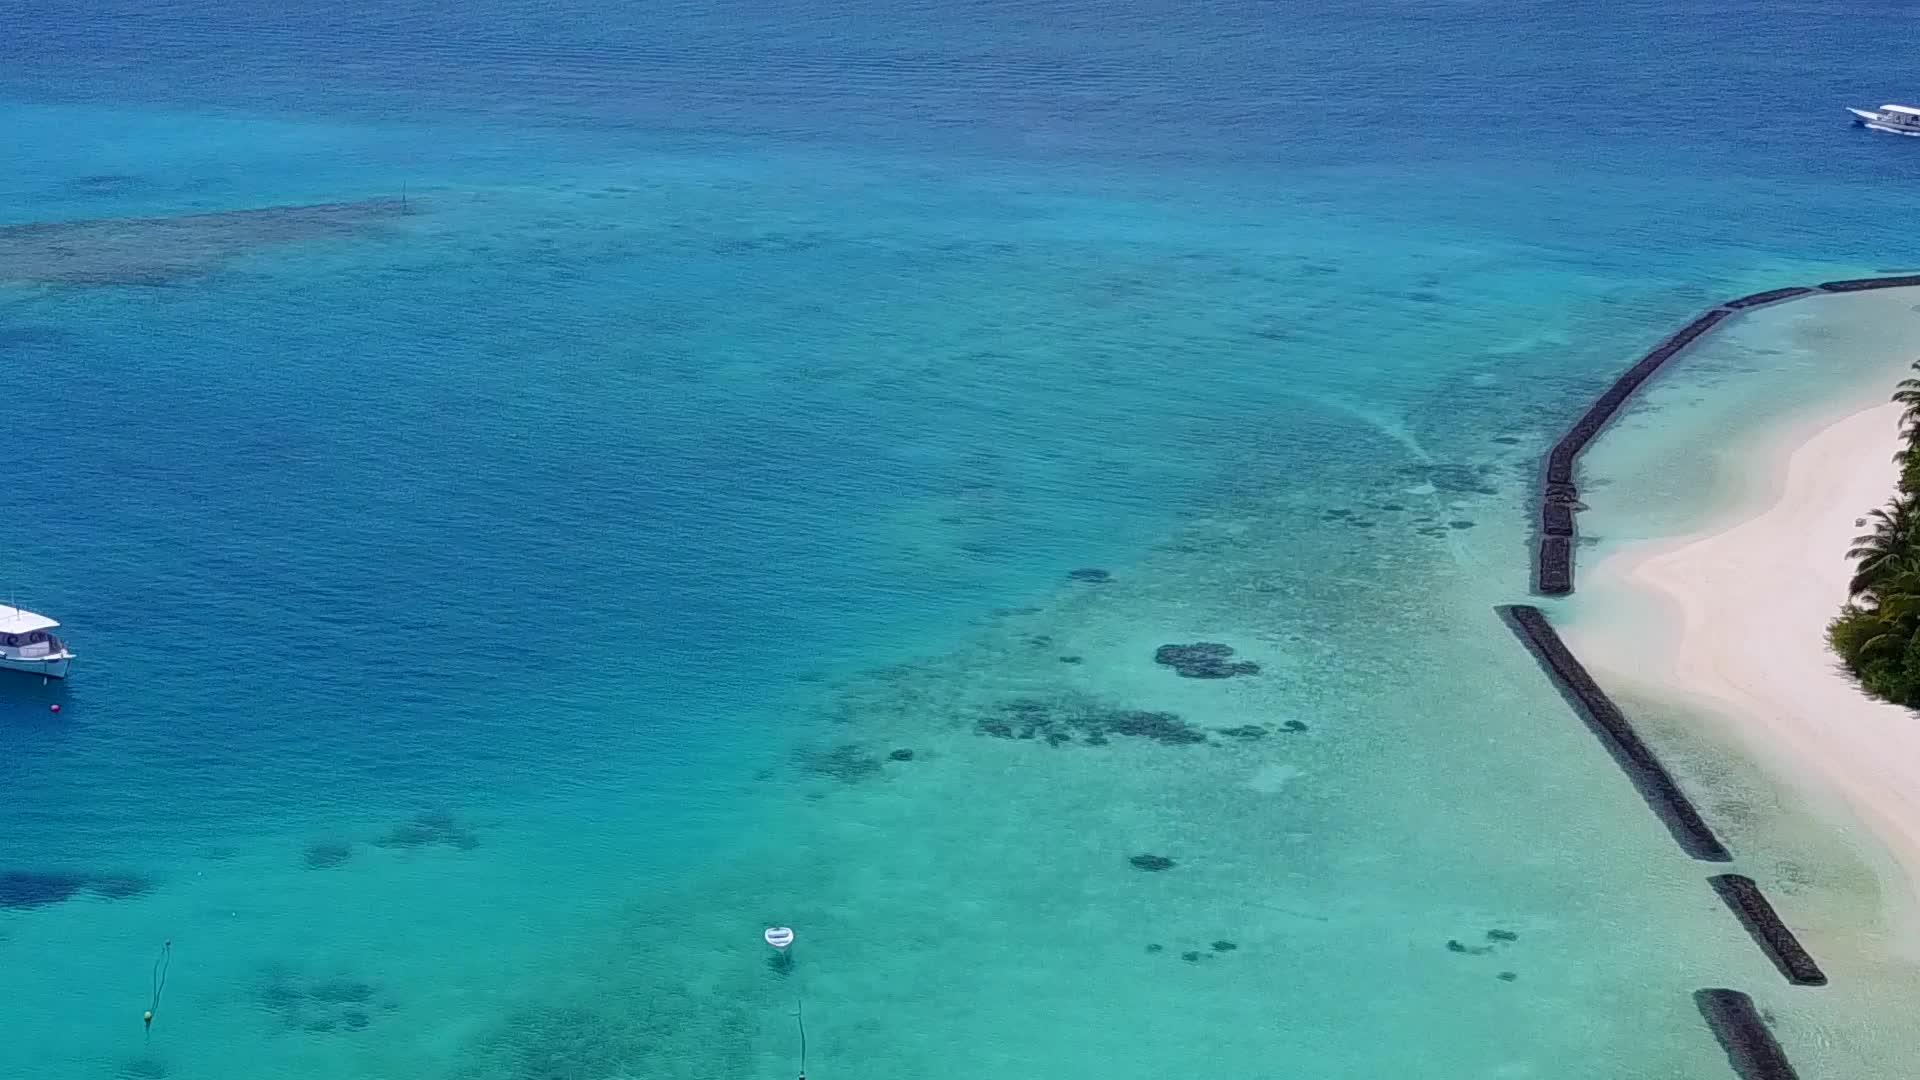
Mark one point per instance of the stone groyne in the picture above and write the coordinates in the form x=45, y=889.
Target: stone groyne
x=1738, y=1026
x=1756, y=913
x=1560, y=493
x=1751, y=1048
x=1616, y=733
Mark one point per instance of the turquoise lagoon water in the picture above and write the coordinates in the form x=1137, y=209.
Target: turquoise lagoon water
x=492, y=615
x=1699, y=448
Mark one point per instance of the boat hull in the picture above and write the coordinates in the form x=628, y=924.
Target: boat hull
x=1879, y=121
x=52, y=668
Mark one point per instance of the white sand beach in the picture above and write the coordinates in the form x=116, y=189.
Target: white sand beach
x=1746, y=604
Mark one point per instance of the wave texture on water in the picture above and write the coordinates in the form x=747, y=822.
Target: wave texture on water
x=1012, y=492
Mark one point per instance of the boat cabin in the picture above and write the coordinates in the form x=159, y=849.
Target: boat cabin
x=25, y=634
x=27, y=644
x=1905, y=116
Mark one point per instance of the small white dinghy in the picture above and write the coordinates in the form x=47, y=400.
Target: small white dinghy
x=1895, y=119
x=28, y=644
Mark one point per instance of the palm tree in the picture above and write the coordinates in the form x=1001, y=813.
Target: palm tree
x=1889, y=549
x=1891, y=641
x=1897, y=600
x=1878, y=629
x=1908, y=394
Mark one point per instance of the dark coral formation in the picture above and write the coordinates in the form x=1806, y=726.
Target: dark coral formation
x=1245, y=731
x=1224, y=945
x=1161, y=727
x=562, y=1042
x=1498, y=937
x=902, y=754
x=327, y=854
x=1204, y=660
x=38, y=888
x=1461, y=479
x=98, y=183
x=318, y=1005
x=1508, y=976
x=1151, y=863
x=848, y=763
x=620, y=1024
x=1090, y=574
x=1295, y=725
x=1191, y=957
x=144, y=1067
x=118, y=886
x=432, y=827
x=161, y=250
x=1061, y=722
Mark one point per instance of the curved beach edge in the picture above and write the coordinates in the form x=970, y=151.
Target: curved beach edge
x=1758, y=657
x=1555, y=527
x=1797, y=543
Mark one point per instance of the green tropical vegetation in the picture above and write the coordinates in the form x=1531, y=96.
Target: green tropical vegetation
x=1878, y=630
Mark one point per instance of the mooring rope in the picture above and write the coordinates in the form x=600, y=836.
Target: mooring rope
x=161, y=965
x=800, y=1014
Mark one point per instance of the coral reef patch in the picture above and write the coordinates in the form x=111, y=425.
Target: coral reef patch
x=1062, y=721
x=320, y=1005
x=848, y=763
x=1204, y=660
x=161, y=250
x=327, y=854
x=431, y=827
x=39, y=888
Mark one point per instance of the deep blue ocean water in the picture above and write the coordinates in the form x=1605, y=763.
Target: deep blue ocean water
x=727, y=409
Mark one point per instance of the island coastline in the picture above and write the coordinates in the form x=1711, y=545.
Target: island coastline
x=1745, y=601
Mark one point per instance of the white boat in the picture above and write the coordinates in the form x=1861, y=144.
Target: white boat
x=28, y=644
x=1898, y=119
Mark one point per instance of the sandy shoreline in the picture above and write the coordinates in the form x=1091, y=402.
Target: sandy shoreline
x=1745, y=606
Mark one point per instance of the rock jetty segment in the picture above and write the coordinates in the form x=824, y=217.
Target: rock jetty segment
x=1605, y=719
x=1560, y=494
x=1751, y=907
x=1751, y=1048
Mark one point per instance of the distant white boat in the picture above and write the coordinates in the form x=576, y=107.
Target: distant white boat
x=1897, y=119
x=27, y=644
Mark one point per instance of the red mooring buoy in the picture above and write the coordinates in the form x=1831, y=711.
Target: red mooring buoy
x=55, y=708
